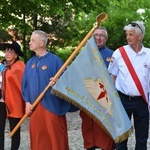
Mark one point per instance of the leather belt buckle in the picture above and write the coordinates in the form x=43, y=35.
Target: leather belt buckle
x=134, y=97
x=131, y=97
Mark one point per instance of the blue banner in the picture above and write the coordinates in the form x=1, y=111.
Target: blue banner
x=87, y=84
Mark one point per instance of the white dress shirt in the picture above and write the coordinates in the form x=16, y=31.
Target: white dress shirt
x=141, y=64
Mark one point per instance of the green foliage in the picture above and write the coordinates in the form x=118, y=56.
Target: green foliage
x=120, y=14
x=4, y=36
x=68, y=21
x=64, y=53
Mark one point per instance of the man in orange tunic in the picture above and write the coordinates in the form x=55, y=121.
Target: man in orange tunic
x=93, y=134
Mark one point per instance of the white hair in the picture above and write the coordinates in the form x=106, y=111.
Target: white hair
x=137, y=26
x=104, y=29
x=42, y=35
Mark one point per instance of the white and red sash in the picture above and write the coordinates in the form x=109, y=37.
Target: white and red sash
x=132, y=72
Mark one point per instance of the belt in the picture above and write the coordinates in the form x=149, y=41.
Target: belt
x=129, y=96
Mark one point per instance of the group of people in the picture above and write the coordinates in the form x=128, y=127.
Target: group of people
x=21, y=84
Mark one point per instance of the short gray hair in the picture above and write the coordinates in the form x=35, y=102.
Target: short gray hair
x=42, y=35
x=104, y=29
x=137, y=26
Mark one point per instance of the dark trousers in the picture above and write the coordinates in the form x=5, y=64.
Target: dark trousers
x=15, y=141
x=139, y=109
x=2, y=124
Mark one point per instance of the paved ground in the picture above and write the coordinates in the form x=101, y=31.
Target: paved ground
x=74, y=132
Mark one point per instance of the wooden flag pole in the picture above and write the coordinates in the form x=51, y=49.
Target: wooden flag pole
x=99, y=18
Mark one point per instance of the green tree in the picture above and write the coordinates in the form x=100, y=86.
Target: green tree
x=68, y=21
x=121, y=13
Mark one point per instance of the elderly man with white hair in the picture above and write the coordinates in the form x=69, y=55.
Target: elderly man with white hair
x=130, y=68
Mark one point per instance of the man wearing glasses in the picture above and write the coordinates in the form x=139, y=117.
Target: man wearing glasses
x=93, y=134
x=129, y=68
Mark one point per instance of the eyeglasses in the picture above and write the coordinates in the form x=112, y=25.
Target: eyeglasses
x=133, y=24
x=11, y=51
x=99, y=36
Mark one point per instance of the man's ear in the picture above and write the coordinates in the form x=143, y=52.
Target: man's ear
x=42, y=43
x=140, y=37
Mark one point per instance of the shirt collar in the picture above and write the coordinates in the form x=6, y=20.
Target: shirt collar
x=142, y=51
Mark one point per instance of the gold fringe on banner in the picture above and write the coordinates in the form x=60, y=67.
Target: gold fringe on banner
x=70, y=100
x=124, y=136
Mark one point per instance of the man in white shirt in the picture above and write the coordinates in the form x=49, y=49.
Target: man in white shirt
x=133, y=94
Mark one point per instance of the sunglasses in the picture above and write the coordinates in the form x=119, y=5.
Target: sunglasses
x=133, y=24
